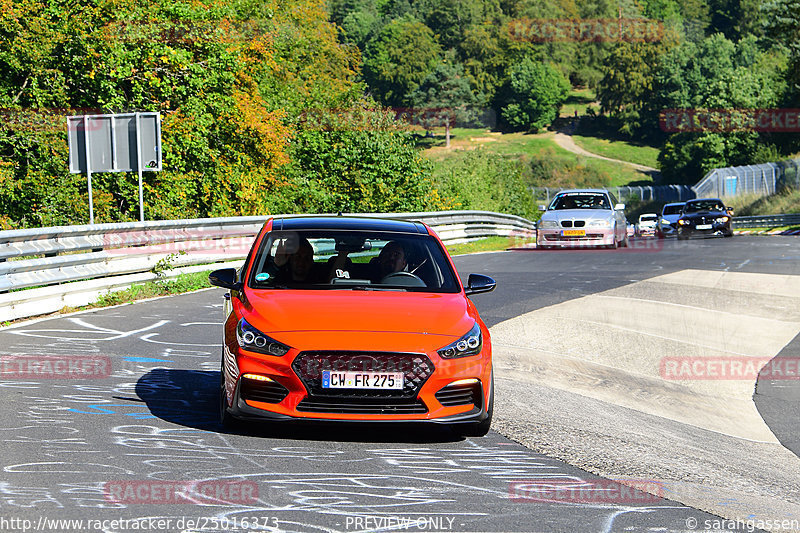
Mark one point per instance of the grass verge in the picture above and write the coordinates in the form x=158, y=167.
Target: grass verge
x=765, y=229
x=782, y=203
x=578, y=100
x=488, y=244
x=151, y=289
x=567, y=169
x=622, y=150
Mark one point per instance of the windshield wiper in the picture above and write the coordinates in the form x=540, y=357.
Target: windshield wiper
x=374, y=288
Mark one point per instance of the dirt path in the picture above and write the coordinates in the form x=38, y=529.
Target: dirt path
x=565, y=141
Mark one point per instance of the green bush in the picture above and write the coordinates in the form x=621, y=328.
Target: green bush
x=550, y=170
x=483, y=181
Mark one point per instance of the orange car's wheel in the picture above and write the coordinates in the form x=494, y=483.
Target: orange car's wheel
x=226, y=419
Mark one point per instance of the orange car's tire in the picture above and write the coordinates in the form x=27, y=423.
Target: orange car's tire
x=227, y=420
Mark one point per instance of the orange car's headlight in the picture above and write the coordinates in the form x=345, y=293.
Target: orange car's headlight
x=253, y=340
x=469, y=344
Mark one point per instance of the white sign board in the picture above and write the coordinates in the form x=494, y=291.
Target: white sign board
x=112, y=142
x=122, y=142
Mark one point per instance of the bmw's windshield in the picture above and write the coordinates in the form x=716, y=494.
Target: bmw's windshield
x=703, y=205
x=356, y=260
x=580, y=201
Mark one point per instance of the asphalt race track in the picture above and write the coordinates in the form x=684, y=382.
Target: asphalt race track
x=103, y=449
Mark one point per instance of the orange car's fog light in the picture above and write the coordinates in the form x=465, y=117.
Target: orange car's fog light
x=461, y=392
x=257, y=377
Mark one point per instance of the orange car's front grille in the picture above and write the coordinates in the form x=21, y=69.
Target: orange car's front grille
x=416, y=369
x=460, y=395
x=363, y=406
x=263, y=391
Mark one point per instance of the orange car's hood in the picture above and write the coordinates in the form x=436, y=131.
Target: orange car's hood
x=286, y=311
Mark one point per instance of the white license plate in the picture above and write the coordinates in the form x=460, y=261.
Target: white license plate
x=332, y=379
x=704, y=226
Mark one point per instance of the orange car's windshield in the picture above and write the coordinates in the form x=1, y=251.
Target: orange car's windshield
x=358, y=260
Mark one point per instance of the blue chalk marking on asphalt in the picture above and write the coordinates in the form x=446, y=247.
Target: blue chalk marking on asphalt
x=145, y=360
x=102, y=410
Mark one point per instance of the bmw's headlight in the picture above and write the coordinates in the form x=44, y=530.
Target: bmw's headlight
x=548, y=224
x=253, y=340
x=469, y=344
x=603, y=223
x=722, y=220
x=683, y=222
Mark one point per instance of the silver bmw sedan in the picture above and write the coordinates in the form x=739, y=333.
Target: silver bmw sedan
x=582, y=218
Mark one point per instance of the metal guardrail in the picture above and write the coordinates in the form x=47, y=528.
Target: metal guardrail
x=645, y=193
x=104, y=255
x=766, y=221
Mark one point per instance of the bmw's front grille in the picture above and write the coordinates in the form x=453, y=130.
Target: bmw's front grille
x=263, y=391
x=468, y=394
x=573, y=223
x=308, y=366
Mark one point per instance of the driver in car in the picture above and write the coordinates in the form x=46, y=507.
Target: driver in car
x=391, y=259
x=297, y=266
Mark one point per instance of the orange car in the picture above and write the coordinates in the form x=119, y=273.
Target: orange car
x=357, y=319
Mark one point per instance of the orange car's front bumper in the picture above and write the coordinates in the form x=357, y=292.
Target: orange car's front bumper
x=289, y=398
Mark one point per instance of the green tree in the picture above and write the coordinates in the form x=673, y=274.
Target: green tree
x=399, y=59
x=228, y=78
x=628, y=83
x=449, y=19
x=782, y=27
x=537, y=92
x=716, y=74
x=360, y=20
x=444, y=97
